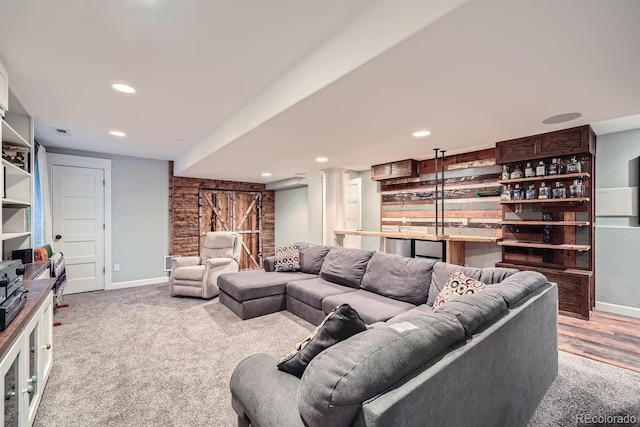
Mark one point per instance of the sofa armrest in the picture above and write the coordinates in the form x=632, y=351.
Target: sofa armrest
x=185, y=261
x=269, y=263
x=264, y=394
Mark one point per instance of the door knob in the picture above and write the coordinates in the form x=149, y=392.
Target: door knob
x=58, y=236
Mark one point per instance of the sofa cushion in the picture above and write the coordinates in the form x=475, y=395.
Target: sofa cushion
x=474, y=311
x=516, y=287
x=457, y=285
x=342, y=323
x=398, y=277
x=312, y=257
x=287, y=258
x=345, y=266
x=371, y=307
x=416, y=311
x=251, y=284
x=442, y=271
x=313, y=291
x=340, y=378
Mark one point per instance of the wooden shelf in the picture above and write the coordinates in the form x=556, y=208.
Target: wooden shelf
x=546, y=178
x=561, y=223
x=12, y=203
x=10, y=135
x=9, y=236
x=14, y=170
x=562, y=200
x=536, y=245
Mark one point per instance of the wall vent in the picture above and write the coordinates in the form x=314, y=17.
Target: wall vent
x=62, y=131
x=168, y=259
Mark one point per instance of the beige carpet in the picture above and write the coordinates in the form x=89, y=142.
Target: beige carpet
x=138, y=357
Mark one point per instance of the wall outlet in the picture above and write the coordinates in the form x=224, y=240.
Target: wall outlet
x=116, y=267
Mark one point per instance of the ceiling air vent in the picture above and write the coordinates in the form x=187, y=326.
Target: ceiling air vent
x=62, y=132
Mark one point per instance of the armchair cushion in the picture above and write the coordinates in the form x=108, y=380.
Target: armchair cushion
x=220, y=245
x=217, y=262
x=185, y=261
x=192, y=272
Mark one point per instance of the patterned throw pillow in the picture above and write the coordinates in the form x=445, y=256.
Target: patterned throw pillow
x=342, y=323
x=457, y=285
x=287, y=258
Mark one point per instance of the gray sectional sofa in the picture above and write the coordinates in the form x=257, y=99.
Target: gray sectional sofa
x=484, y=359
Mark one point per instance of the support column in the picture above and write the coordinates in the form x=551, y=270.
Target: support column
x=333, y=206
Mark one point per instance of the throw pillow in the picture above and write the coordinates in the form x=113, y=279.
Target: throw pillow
x=287, y=258
x=342, y=323
x=457, y=285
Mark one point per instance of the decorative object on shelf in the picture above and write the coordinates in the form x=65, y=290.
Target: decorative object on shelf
x=531, y=192
x=529, y=172
x=488, y=193
x=517, y=193
x=541, y=170
x=559, y=192
x=517, y=173
x=543, y=191
x=577, y=189
x=574, y=166
x=16, y=155
x=505, y=172
x=507, y=193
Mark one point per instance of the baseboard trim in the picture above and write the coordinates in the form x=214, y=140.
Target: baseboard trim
x=618, y=309
x=141, y=282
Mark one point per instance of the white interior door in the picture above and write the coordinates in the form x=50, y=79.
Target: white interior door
x=352, y=212
x=78, y=216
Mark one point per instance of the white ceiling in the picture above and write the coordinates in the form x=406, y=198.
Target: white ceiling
x=229, y=89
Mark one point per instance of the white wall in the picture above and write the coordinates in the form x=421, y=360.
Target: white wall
x=617, y=239
x=292, y=216
x=139, y=216
x=370, y=192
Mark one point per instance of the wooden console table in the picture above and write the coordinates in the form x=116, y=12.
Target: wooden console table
x=455, y=244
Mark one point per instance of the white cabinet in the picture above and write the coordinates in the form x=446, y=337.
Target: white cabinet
x=4, y=91
x=25, y=368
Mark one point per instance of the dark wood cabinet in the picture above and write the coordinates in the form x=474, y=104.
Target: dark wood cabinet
x=400, y=169
x=567, y=142
x=553, y=235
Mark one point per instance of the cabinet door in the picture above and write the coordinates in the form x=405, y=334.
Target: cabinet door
x=516, y=150
x=30, y=384
x=46, y=340
x=10, y=368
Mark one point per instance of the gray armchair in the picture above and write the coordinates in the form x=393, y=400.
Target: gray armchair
x=197, y=276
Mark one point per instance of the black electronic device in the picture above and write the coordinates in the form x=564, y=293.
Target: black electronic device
x=24, y=255
x=10, y=308
x=10, y=278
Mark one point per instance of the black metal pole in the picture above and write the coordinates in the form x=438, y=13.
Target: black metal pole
x=442, y=186
x=436, y=192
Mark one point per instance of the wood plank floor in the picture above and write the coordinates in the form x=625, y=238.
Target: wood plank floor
x=606, y=337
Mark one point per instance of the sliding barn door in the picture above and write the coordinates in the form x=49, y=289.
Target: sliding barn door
x=238, y=211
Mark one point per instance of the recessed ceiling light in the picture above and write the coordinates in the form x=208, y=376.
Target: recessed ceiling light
x=117, y=133
x=421, y=133
x=561, y=118
x=124, y=88
x=322, y=159
x=266, y=174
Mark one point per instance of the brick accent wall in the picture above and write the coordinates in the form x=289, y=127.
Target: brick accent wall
x=184, y=211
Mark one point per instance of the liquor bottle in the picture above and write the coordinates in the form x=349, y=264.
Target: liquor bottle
x=517, y=173
x=543, y=191
x=559, y=192
x=529, y=172
x=553, y=167
x=517, y=193
x=541, y=170
x=506, y=192
x=574, y=166
x=505, y=172
x=577, y=189
x=531, y=192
